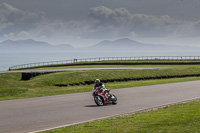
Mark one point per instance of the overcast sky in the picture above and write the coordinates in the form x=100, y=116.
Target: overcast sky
x=87, y=22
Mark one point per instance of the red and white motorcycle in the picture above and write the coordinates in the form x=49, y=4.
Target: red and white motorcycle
x=103, y=98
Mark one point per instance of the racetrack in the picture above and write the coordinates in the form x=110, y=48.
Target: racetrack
x=35, y=114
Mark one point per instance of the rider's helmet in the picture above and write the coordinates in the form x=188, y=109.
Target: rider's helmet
x=97, y=81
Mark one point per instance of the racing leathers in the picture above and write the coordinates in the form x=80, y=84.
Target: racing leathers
x=102, y=88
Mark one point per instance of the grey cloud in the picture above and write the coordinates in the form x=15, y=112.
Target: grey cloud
x=16, y=20
x=123, y=23
x=107, y=16
x=197, y=25
x=151, y=26
x=107, y=23
x=101, y=23
x=60, y=28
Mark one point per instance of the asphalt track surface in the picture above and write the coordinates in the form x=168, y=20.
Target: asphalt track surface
x=82, y=69
x=37, y=114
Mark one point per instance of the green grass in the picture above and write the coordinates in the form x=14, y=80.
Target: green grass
x=81, y=76
x=177, y=118
x=94, y=66
x=181, y=118
x=12, y=87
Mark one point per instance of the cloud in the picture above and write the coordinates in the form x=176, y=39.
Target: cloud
x=120, y=22
x=10, y=35
x=60, y=28
x=108, y=16
x=125, y=23
x=22, y=34
x=101, y=23
x=16, y=20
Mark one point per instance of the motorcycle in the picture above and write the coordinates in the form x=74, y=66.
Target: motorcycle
x=103, y=98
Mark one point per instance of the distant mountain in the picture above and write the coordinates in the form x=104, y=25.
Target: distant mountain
x=123, y=44
x=32, y=45
x=127, y=44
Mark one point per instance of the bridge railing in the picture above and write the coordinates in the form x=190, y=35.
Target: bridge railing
x=38, y=64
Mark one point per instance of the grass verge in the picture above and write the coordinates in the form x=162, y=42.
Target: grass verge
x=117, y=63
x=180, y=118
x=29, y=89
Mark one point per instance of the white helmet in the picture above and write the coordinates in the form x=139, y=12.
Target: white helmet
x=97, y=81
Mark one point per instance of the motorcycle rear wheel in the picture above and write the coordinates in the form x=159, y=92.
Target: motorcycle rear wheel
x=98, y=100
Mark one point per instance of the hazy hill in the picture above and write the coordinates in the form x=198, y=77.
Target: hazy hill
x=126, y=44
x=121, y=44
x=32, y=45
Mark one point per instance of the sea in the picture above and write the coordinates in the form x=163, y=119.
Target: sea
x=11, y=59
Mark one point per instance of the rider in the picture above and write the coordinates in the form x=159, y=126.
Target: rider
x=102, y=87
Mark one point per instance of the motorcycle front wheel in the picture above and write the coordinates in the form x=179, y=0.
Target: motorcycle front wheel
x=114, y=99
x=98, y=100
